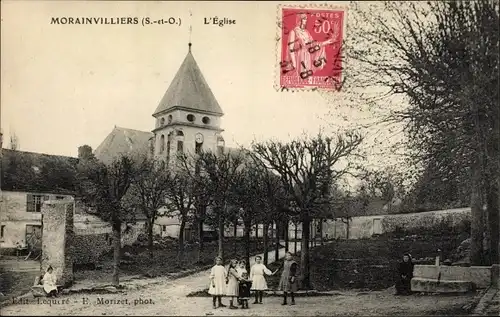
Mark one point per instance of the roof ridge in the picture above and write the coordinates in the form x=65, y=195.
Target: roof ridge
x=123, y=128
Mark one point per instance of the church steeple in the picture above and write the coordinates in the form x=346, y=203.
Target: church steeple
x=189, y=91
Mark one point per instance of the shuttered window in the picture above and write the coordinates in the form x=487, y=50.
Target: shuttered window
x=34, y=202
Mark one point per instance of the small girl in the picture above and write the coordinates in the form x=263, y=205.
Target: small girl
x=49, y=282
x=217, y=282
x=241, y=269
x=259, y=284
x=288, y=282
x=244, y=290
x=232, y=280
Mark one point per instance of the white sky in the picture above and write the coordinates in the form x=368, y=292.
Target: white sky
x=67, y=85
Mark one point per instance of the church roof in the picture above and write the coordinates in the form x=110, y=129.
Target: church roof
x=189, y=90
x=123, y=141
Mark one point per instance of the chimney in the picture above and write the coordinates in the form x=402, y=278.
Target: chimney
x=84, y=152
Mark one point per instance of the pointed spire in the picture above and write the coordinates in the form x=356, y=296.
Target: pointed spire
x=190, y=30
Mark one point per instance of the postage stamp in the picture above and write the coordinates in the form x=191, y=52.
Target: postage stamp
x=310, y=47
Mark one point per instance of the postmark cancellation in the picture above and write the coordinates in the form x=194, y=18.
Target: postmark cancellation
x=309, y=47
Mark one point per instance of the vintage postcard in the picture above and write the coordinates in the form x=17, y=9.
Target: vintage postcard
x=204, y=158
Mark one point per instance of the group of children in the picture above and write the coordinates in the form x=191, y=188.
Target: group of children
x=236, y=283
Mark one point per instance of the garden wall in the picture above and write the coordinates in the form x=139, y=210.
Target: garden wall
x=414, y=223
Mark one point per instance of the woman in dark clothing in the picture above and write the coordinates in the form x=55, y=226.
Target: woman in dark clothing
x=288, y=281
x=405, y=274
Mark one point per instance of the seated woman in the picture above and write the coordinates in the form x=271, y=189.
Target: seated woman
x=49, y=282
x=405, y=274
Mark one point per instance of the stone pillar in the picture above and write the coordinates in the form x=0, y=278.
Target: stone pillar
x=495, y=275
x=57, y=239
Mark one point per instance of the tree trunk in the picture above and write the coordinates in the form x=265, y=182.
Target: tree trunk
x=235, y=233
x=180, y=254
x=348, y=228
x=221, y=237
x=265, y=236
x=322, y=241
x=286, y=228
x=150, y=237
x=200, y=237
x=117, y=246
x=248, y=228
x=277, y=239
x=477, y=223
x=304, y=252
x=257, y=233
x=295, y=238
x=311, y=234
x=493, y=221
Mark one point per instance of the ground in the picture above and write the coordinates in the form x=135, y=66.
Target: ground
x=368, y=264
x=169, y=297
x=19, y=275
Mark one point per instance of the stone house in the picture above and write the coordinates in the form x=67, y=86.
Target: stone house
x=27, y=180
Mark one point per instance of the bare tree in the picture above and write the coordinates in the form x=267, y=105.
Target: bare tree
x=442, y=58
x=307, y=168
x=148, y=193
x=218, y=174
x=181, y=196
x=102, y=188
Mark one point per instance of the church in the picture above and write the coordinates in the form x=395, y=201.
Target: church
x=186, y=120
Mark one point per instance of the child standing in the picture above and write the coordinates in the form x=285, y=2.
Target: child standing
x=244, y=291
x=241, y=269
x=259, y=284
x=217, y=282
x=232, y=283
x=288, y=281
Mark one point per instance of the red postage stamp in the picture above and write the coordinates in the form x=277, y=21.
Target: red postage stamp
x=310, y=47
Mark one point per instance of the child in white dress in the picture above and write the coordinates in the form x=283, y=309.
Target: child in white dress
x=49, y=282
x=257, y=275
x=217, y=287
x=232, y=282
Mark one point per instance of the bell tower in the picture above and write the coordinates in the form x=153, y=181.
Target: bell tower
x=188, y=116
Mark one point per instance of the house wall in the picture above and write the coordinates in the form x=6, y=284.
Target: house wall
x=92, y=235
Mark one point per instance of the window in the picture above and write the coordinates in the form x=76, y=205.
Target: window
x=2, y=231
x=180, y=146
x=162, y=143
x=198, y=147
x=34, y=202
x=170, y=119
x=33, y=236
x=169, y=139
x=220, y=150
x=60, y=197
x=162, y=122
x=164, y=228
x=205, y=120
x=190, y=118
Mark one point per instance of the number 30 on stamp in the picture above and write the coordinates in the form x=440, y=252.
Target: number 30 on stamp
x=310, y=47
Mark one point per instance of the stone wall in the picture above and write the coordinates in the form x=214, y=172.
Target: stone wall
x=57, y=239
x=479, y=275
x=367, y=226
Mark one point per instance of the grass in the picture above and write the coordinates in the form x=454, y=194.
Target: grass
x=366, y=264
x=13, y=284
x=165, y=259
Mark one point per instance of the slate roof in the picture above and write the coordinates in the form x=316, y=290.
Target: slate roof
x=37, y=173
x=189, y=90
x=123, y=141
